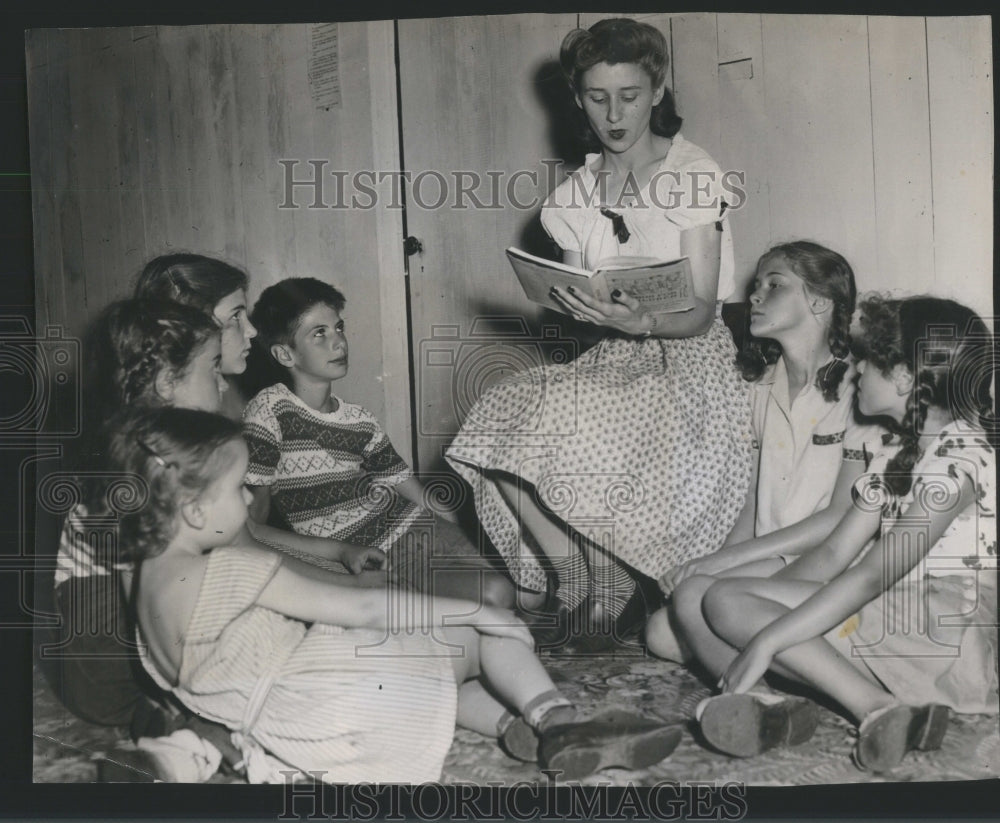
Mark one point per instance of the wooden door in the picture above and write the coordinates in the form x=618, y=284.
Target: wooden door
x=480, y=100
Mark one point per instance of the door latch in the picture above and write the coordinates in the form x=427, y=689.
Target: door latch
x=412, y=246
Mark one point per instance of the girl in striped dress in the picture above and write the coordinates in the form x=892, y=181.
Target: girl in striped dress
x=342, y=685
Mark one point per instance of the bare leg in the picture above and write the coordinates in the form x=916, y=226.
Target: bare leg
x=664, y=638
x=511, y=669
x=693, y=630
x=554, y=538
x=478, y=710
x=530, y=601
x=671, y=632
x=465, y=572
x=738, y=608
x=438, y=558
x=478, y=585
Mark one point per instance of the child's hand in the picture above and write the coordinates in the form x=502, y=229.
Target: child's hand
x=624, y=314
x=710, y=565
x=359, y=558
x=498, y=622
x=672, y=578
x=748, y=668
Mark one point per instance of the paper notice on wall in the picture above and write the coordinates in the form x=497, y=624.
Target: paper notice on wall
x=324, y=66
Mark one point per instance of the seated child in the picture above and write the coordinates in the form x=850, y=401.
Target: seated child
x=809, y=447
x=899, y=629
x=322, y=466
x=337, y=683
x=147, y=352
x=144, y=353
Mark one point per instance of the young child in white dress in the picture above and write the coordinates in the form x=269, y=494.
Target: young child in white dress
x=342, y=684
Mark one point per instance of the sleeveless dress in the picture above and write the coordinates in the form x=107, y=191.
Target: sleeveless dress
x=641, y=444
x=344, y=705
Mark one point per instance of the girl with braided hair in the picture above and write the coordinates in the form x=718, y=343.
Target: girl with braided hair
x=809, y=448
x=145, y=353
x=899, y=628
x=149, y=352
x=163, y=354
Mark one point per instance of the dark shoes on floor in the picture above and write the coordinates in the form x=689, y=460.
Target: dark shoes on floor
x=616, y=739
x=888, y=734
x=744, y=725
x=621, y=635
x=520, y=741
x=555, y=625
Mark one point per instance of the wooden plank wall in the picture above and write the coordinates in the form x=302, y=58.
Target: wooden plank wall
x=151, y=140
x=870, y=134
x=473, y=93
x=873, y=135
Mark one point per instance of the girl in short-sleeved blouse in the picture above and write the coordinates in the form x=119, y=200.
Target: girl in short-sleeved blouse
x=641, y=445
x=893, y=615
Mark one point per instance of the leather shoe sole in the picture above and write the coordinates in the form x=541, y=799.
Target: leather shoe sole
x=629, y=742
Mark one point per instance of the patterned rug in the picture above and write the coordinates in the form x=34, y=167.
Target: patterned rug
x=65, y=747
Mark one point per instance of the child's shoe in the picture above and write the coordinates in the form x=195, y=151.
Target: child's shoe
x=151, y=719
x=616, y=739
x=556, y=625
x=183, y=757
x=744, y=725
x=612, y=637
x=520, y=741
x=886, y=735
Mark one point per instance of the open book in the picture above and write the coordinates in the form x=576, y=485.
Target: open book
x=660, y=286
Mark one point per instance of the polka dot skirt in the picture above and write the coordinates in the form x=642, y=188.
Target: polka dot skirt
x=642, y=445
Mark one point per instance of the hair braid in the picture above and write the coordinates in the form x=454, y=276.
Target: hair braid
x=138, y=373
x=899, y=470
x=829, y=378
x=826, y=273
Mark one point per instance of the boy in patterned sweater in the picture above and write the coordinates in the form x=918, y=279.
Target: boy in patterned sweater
x=322, y=466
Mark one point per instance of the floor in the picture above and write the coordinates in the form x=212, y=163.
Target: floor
x=65, y=747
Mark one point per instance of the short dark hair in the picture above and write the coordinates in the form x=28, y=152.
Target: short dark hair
x=279, y=309
x=621, y=40
x=191, y=279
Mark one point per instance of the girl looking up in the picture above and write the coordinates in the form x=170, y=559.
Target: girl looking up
x=901, y=628
x=809, y=447
x=218, y=290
